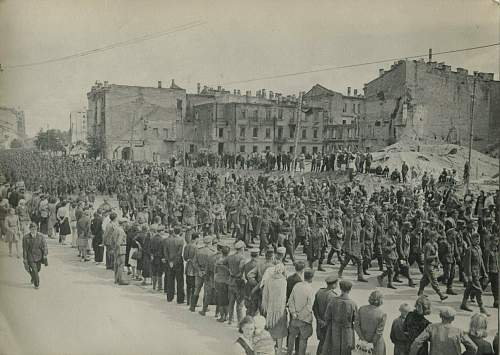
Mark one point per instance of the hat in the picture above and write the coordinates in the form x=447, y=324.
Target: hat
x=254, y=251
x=281, y=250
x=331, y=279
x=208, y=239
x=239, y=245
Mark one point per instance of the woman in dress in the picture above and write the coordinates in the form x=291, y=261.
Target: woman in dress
x=24, y=217
x=243, y=345
x=371, y=322
x=274, y=305
x=44, y=214
x=63, y=218
x=52, y=217
x=12, y=231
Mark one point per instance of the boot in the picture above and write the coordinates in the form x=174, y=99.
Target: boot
x=341, y=270
x=396, y=278
x=479, y=299
x=411, y=283
x=420, y=289
x=442, y=297
x=360, y=273
x=160, y=284
x=380, y=262
x=366, y=266
x=484, y=311
x=153, y=280
x=389, y=280
x=449, y=291
x=194, y=302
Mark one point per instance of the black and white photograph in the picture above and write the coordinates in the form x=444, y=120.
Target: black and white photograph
x=249, y=177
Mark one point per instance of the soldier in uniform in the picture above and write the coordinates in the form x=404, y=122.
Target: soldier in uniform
x=403, y=244
x=256, y=275
x=475, y=270
x=251, y=303
x=367, y=238
x=493, y=267
x=321, y=301
x=389, y=250
x=235, y=263
x=318, y=239
x=335, y=232
x=174, y=266
x=378, y=237
x=265, y=228
x=157, y=253
x=119, y=243
x=448, y=253
x=190, y=271
x=430, y=266
x=201, y=265
x=301, y=228
x=352, y=243
x=416, y=246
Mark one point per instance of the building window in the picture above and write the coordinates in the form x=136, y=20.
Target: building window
x=280, y=148
x=315, y=133
x=333, y=133
x=255, y=149
x=377, y=123
x=304, y=150
x=165, y=132
x=242, y=149
x=280, y=114
x=221, y=132
x=359, y=108
x=268, y=148
x=255, y=132
x=344, y=121
x=268, y=115
x=244, y=113
x=191, y=148
x=268, y=132
x=242, y=132
x=345, y=108
x=196, y=116
x=290, y=149
x=315, y=150
x=155, y=132
x=292, y=132
x=354, y=108
x=256, y=114
x=280, y=132
x=316, y=115
x=304, y=134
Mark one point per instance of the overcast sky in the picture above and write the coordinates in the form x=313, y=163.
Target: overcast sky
x=239, y=40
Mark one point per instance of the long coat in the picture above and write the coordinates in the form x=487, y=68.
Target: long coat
x=370, y=327
x=340, y=316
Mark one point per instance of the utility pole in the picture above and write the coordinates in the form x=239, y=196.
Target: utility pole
x=471, y=132
x=297, y=129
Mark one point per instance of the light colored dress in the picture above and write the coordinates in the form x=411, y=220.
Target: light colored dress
x=12, y=229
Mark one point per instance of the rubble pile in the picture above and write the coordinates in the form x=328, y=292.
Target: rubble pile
x=434, y=158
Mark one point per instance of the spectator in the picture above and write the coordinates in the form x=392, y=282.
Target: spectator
x=370, y=323
x=415, y=322
x=477, y=332
x=398, y=335
x=444, y=339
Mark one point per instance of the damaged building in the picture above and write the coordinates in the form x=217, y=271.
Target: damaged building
x=427, y=102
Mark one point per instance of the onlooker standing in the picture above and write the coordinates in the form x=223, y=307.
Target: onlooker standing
x=444, y=339
x=83, y=228
x=24, y=217
x=63, y=218
x=172, y=254
x=340, y=317
x=34, y=253
x=300, y=306
x=415, y=322
x=321, y=301
x=398, y=335
x=12, y=230
x=96, y=229
x=370, y=323
x=477, y=332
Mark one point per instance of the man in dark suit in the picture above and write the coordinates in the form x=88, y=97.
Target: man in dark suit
x=174, y=269
x=34, y=253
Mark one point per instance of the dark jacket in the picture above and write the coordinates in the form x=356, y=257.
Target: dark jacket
x=34, y=248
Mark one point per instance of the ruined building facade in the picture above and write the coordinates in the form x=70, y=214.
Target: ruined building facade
x=429, y=103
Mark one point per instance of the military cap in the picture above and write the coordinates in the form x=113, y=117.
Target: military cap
x=239, y=245
x=331, y=279
x=281, y=250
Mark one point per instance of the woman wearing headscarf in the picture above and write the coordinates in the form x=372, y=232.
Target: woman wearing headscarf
x=24, y=217
x=274, y=305
x=371, y=322
x=12, y=231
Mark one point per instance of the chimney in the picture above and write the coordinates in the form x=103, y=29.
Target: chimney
x=430, y=54
x=381, y=72
x=159, y=84
x=355, y=92
x=348, y=91
x=198, y=88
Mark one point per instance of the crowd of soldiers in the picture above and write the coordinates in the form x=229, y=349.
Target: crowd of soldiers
x=179, y=226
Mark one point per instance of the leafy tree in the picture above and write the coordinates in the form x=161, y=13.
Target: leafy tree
x=52, y=139
x=16, y=143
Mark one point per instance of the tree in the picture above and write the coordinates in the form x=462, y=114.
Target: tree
x=16, y=143
x=52, y=139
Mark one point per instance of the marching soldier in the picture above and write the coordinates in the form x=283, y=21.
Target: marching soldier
x=235, y=263
x=251, y=302
x=448, y=253
x=317, y=243
x=389, y=250
x=352, y=243
x=430, y=266
x=335, y=232
x=119, y=243
x=403, y=244
x=201, y=263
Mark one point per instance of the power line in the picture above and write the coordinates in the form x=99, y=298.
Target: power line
x=108, y=47
x=357, y=64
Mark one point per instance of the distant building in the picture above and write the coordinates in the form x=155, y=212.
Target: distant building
x=223, y=122
x=134, y=122
x=12, y=126
x=78, y=126
x=429, y=103
x=341, y=116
